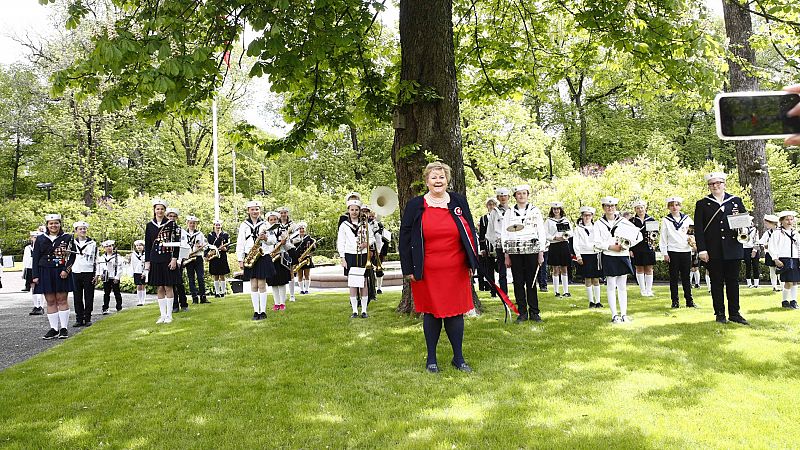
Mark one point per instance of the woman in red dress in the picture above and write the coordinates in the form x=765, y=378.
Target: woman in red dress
x=438, y=252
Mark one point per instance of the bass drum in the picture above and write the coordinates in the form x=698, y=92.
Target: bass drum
x=517, y=247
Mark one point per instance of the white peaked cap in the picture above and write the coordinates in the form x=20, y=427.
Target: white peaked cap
x=192, y=219
x=302, y=224
x=352, y=194
x=79, y=223
x=354, y=202
x=282, y=209
x=217, y=221
x=771, y=218
x=556, y=205
x=522, y=187
x=501, y=191
x=640, y=202
x=274, y=213
x=675, y=199
x=491, y=200
x=172, y=210
x=50, y=217
x=608, y=200
x=138, y=241
x=253, y=204
x=158, y=201
x=587, y=209
x=716, y=176
x=107, y=243
x=783, y=214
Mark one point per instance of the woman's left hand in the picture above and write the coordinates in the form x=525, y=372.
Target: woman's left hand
x=64, y=274
x=173, y=264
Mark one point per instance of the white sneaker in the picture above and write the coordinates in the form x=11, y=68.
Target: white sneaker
x=291, y=299
x=168, y=320
x=616, y=319
x=160, y=320
x=626, y=319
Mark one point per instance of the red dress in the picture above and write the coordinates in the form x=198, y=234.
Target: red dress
x=446, y=286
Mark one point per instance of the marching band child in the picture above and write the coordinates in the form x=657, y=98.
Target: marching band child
x=179, y=302
x=137, y=267
x=587, y=256
x=194, y=265
x=252, y=233
x=487, y=243
x=559, y=254
x=276, y=238
x=752, y=272
x=644, y=255
x=27, y=264
x=494, y=230
x=770, y=224
x=52, y=265
x=352, y=251
x=286, y=224
x=161, y=262
x=676, y=249
x=784, y=248
x=109, y=266
x=304, y=243
x=83, y=273
x=384, y=236
x=614, y=260
x=218, y=266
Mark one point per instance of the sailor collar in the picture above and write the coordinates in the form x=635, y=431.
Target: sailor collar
x=726, y=199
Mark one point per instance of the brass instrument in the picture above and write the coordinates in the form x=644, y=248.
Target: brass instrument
x=305, y=257
x=255, y=252
x=275, y=254
x=363, y=236
x=213, y=252
x=743, y=235
x=625, y=244
x=195, y=253
x=384, y=201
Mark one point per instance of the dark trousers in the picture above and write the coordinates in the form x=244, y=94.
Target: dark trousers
x=542, y=277
x=680, y=264
x=196, y=270
x=179, y=294
x=83, y=295
x=724, y=277
x=502, y=277
x=488, y=264
x=108, y=287
x=27, y=277
x=751, y=269
x=523, y=268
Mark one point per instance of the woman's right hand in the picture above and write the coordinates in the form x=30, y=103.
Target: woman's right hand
x=411, y=277
x=35, y=281
x=241, y=265
x=579, y=261
x=344, y=263
x=779, y=264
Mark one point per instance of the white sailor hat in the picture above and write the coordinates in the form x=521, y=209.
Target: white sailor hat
x=192, y=219
x=674, y=199
x=282, y=209
x=273, y=213
x=556, y=205
x=639, y=202
x=158, y=201
x=783, y=214
x=771, y=218
x=217, y=221
x=351, y=195
x=79, y=223
x=301, y=224
x=501, y=191
x=107, y=243
x=586, y=209
x=491, y=200
x=522, y=187
x=138, y=242
x=716, y=176
x=173, y=210
x=35, y=233
x=253, y=204
x=354, y=202
x=608, y=200
x=50, y=217
x=366, y=206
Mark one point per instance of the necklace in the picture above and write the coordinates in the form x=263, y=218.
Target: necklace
x=437, y=202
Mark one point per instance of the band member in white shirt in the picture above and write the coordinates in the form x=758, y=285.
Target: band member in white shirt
x=27, y=264
x=218, y=263
x=587, y=256
x=559, y=251
x=279, y=237
x=770, y=226
x=523, y=251
x=137, y=267
x=676, y=249
x=643, y=254
x=614, y=260
x=351, y=244
x=784, y=248
x=109, y=267
x=752, y=271
x=83, y=273
x=194, y=265
x=494, y=230
x=253, y=232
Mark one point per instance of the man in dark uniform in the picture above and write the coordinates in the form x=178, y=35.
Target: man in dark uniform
x=487, y=260
x=717, y=246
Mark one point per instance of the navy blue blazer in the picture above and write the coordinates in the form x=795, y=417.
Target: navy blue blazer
x=411, y=243
x=45, y=255
x=711, y=230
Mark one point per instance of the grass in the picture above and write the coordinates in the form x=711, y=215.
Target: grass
x=310, y=377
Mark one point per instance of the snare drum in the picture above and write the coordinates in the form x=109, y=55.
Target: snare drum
x=517, y=246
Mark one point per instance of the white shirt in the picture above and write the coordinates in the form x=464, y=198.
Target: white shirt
x=752, y=238
x=604, y=239
x=248, y=232
x=784, y=244
x=86, y=256
x=674, y=237
x=347, y=241
x=551, y=227
x=137, y=262
x=27, y=257
x=765, y=236
x=196, y=239
x=112, y=264
x=494, y=227
x=583, y=241
x=531, y=217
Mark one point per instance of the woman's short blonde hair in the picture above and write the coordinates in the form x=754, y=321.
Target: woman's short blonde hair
x=437, y=165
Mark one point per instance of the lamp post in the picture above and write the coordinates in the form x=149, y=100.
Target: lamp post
x=45, y=187
x=263, y=192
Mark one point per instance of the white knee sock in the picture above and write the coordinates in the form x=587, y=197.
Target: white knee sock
x=640, y=280
x=555, y=283
x=611, y=293
x=785, y=294
x=565, y=283
x=53, y=319
x=291, y=287
x=749, y=283
x=63, y=317
x=306, y=285
x=648, y=283
x=282, y=291
x=354, y=304
x=35, y=299
x=756, y=282
x=590, y=294
x=168, y=307
x=378, y=282
x=276, y=296
x=254, y=297
x=696, y=277
x=708, y=281
x=364, y=302
x=773, y=277
x=223, y=287
x=793, y=293
x=622, y=294
x=262, y=301
x=596, y=290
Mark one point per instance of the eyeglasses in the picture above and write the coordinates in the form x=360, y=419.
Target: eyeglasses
x=716, y=183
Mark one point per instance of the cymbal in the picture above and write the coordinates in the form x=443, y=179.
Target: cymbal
x=515, y=227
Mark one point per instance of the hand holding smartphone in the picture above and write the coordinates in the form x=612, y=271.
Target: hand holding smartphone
x=759, y=115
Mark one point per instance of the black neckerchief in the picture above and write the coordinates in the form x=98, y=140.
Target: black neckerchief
x=585, y=228
x=611, y=228
x=254, y=228
x=79, y=248
x=527, y=208
x=353, y=227
x=677, y=223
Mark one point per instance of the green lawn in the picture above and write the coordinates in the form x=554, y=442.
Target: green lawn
x=310, y=377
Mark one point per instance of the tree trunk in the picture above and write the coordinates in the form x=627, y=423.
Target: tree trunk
x=15, y=166
x=357, y=151
x=751, y=156
x=431, y=124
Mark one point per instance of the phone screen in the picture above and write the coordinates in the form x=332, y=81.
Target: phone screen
x=758, y=115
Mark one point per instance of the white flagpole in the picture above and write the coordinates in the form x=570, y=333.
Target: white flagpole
x=216, y=159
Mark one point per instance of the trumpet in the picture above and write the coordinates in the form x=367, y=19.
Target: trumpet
x=743, y=235
x=625, y=244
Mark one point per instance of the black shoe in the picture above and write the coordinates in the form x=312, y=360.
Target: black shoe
x=203, y=299
x=354, y=316
x=721, y=318
x=87, y=323
x=51, y=334
x=184, y=309
x=432, y=368
x=558, y=295
x=785, y=304
x=697, y=286
x=78, y=324
x=263, y=316
x=739, y=320
x=175, y=310
x=463, y=366
x=119, y=309
x=536, y=318
x=105, y=311
x=63, y=334
x=793, y=304
x=542, y=289
x=24, y=290
x=195, y=299
x=364, y=315
x=598, y=305
x=675, y=305
x=256, y=316
x=567, y=294
x=380, y=291
x=34, y=312
x=522, y=318
x=691, y=305
x=591, y=305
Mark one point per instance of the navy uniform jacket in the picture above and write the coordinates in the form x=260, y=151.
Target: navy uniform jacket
x=157, y=233
x=411, y=243
x=712, y=232
x=44, y=253
x=644, y=245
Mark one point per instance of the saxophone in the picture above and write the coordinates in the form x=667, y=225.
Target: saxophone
x=255, y=252
x=305, y=258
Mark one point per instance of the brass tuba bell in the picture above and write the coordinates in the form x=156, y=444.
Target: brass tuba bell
x=383, y=200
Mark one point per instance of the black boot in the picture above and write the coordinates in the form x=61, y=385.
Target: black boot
x=203, y=299
x=195, y=300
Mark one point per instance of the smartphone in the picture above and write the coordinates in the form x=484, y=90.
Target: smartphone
x=756, y=115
